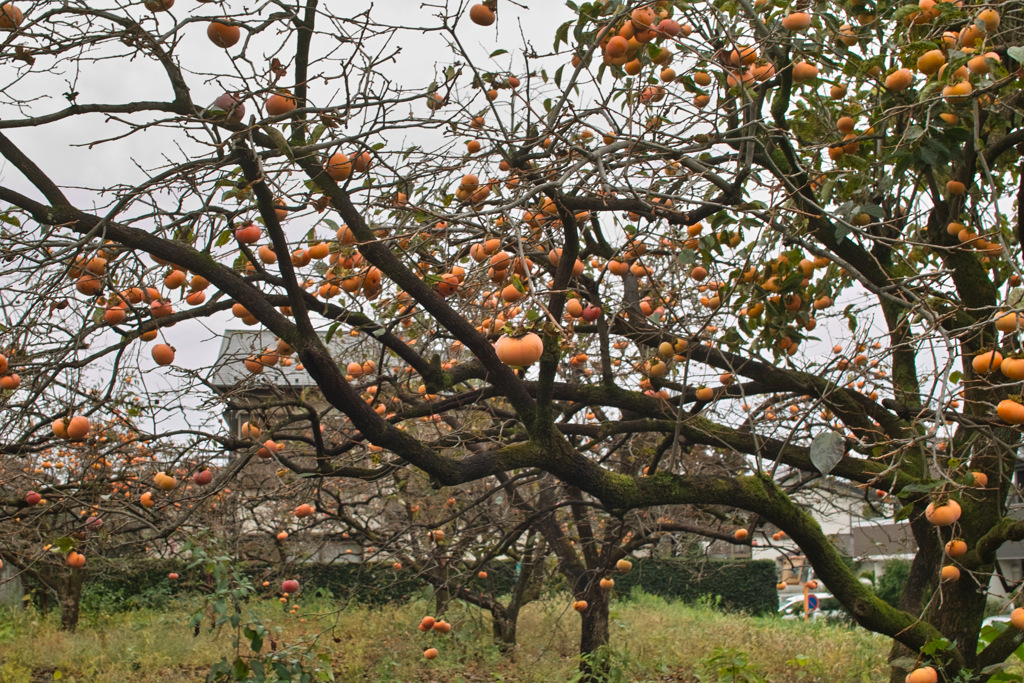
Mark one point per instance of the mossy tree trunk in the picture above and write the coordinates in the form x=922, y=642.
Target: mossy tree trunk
x=594, y=633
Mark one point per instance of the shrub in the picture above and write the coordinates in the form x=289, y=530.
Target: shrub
x=747, y=586
x=144, y=584
x=889, y=586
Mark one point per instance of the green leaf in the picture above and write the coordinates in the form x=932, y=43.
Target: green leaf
x=826, y=451
x=873, y=210
x=903, y=513
x=1016, y=53
x=919, y=488
x=686, y=257
x=499, y=52
x=1014, y=297
x=240, y=669
x=995, y=668
x=280, y=141
x=562, y=34
x=937, y=645
x=223, y=238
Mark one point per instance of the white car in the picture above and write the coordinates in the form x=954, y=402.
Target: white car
x=991, y=621
x=828, y=607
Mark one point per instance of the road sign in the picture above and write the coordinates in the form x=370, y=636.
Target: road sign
x=812, y=603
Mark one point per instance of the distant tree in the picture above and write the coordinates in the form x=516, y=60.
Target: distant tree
x=889, y=586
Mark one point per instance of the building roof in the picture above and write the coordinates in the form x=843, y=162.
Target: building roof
x=237, y=345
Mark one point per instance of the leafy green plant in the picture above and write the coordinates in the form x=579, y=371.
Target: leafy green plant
x=605, y=664
x=251, y=661
x=730, y=666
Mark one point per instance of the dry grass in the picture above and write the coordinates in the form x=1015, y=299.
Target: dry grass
x=651, y=641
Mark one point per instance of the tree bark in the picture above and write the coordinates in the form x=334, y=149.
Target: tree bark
x=504, y=626
x=71, y=600
x=594, y=635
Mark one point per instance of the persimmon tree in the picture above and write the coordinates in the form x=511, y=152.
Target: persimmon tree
x=86, y=505
x=786, y=232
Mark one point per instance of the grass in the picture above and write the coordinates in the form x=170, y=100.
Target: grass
x=651, y=640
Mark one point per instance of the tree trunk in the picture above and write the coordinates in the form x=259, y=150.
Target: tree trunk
x=71, y=600
x=504, y=624
x=594, y=635
x=442, y=596
x=42, y=593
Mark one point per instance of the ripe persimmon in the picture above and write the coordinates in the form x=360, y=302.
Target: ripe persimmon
x=943, y=515
x=796, y=21
x=804, y=71
x=482, y=15
x=1009, y=322
x=930, y=62
x=1010, y=411
x=163, y=354
x=1012, y=368
x=165, y=482
x=77, y=428
x=986, y=362
x=281, y=103
x=924, y=674
x=899, y=80
x=10, y=17
x=339, y=167
x=956, y=548
x=519, y=351
x=223, y=35
x=990, y=18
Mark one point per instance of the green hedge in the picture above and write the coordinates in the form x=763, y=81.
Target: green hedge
x=146, y=584
x=742, y=585
x=749, y=586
